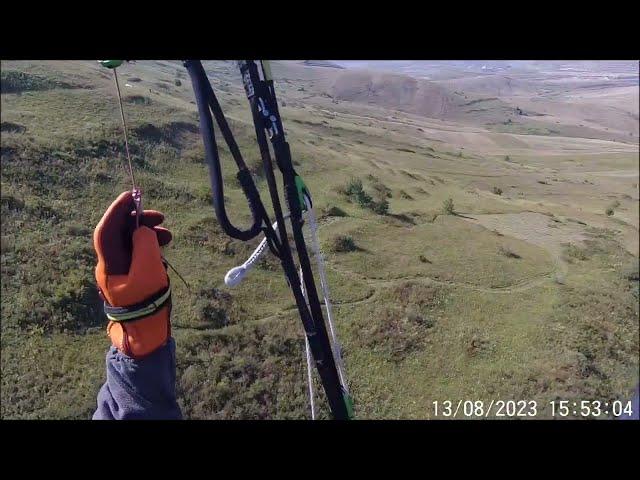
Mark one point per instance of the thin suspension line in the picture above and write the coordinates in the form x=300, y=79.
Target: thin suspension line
x=124, y=128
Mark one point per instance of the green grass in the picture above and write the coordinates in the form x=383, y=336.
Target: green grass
x=428, y=306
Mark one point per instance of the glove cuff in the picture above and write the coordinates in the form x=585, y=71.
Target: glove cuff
x=144, y=335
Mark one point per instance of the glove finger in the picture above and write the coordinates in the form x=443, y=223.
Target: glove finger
x=151, y=218
x=164, y=235
x=112, y=236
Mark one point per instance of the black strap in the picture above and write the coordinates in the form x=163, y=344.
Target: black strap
x=207, y=102
x=266, y=117
x=139, y=310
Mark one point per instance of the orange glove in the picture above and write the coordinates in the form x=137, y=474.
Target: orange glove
x=132, y=277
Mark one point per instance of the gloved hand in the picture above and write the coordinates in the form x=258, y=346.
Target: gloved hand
x=132, y=277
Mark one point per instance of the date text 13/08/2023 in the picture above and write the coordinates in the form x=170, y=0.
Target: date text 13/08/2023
x=532, y=409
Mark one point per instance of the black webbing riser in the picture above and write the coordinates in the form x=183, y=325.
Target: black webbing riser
x=200, y=82
x=311, y=315
x=319, y=343
x=314, y=331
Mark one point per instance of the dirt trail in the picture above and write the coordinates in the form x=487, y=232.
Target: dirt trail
x=378, y=284
x=531, y=227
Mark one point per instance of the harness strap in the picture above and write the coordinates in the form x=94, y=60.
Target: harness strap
x=139, y=310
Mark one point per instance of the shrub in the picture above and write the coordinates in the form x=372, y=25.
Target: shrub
x=610, y=210
x=355, y=191
x=177, y=82
x=334, y=212
x=497, y=190
x=138, y=100
x=405, y=195
x=353, y=188
x=12, y=81
x=573, y=251
x=448, y=207
x=342, y=243
x=381, y=207
x=364, y=199
x=508, y=253
x=11, y=127
x=211, y=307
x=632, y=271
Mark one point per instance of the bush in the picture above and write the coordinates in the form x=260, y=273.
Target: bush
x=342, y=243
x=177, y=82
x=405, y=195
x=355, y=191
x=364, y=199
x=631, y=271
x=497, y=190
x=612, y=208
x=334, y=212
x=508, y=253
x=381, y=207
x=12, y=81
x=353, y=188
x=211, y=307
x=448, y=207
x=138, y=100
x=11, y=127
x=573, y=251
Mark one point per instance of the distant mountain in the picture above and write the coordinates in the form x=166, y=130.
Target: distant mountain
x=389, y=90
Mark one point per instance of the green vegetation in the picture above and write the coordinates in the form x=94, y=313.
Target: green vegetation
x=12, y=81
x=333, y=211
x=405, y=195
x=610, y=210
x=428, y=306
x=447, y=207
x=342, y=243
x=354, y=190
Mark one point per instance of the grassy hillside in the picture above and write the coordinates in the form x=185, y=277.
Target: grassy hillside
x=431, y=303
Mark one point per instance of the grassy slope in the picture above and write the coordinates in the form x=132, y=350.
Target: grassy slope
x=468, y=322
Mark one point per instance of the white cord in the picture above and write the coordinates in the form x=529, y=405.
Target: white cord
x=337, y=351
x=236, y=274
x=308, y=356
